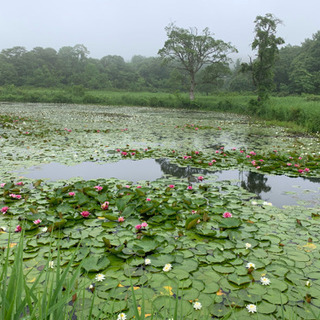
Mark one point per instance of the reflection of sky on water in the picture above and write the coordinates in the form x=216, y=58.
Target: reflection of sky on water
x=280, y=190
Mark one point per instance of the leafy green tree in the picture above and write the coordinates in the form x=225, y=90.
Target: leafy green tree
x=192, y=51
x=266, y=43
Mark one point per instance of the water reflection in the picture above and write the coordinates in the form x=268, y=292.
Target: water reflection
x=280, y=190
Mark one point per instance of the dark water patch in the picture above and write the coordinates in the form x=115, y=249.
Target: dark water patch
x=280, y=190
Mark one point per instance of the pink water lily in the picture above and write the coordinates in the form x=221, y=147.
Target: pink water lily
x=4, y=209
x=37, y=221
x=144, y=224
x=227, y=215
x=306, y=170
x=98, y=188
x=171, y=186
x=85, y=214
x=148, y=199
x=200, y=178
x=121, y=219
x=105, y=205
x=2, y=185
x=18, y=228
x=20, y=183
x=189, y=187
x=138, y=226
x=15, y=196
x=71, y=194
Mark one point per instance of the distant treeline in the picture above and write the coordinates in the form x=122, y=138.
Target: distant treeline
x=297, y=71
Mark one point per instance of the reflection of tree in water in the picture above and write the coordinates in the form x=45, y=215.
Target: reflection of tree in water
x=179, y=172
x=256, y=183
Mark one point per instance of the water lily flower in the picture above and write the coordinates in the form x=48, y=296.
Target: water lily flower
x=248, y=156
x=251, y=308
x=15, y=196
x=306, y=170
x=127, y=186
x=171, y=186
x=51, y=264
x=167, y=267
x=105, y=205
x=196, y=152
x=197, y=305
x=300, y=158
x=189, y=187
x=133, y=153
x=200, y=178
x=227, y=215
x=138, y=226
x=100, y=277
x=121, y=219
x=37, y=221
x=85, y=214
x=250, y=265
x=254, y=203
x=289, y=164
x=241, y=151
x=98, y=188
x=118, y=150
x=3, y=229
x=248, y=245
x=252, y=153
x=148, y=199
x=44, y=229
x=138, y=187
x=144, y=224
x=4, y=209
x=20, y=183
x=147, y=261
x=71, y=194
x=265, y=281
x=122, y=316
x=18, y=228
x=123, y=153
x=210, y=163
x=265, y=203
x=308, y=283
x=2, y=185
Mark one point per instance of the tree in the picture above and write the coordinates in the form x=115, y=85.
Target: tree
x=266, y=43
x=191, y=51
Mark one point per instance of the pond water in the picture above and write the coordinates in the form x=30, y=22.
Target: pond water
x=280, y=190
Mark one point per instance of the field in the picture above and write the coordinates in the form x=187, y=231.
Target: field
x=184, y=245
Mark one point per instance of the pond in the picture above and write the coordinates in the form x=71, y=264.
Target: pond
x=280, y=190
x=173, y=238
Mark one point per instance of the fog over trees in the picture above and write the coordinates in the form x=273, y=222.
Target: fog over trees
x=296, y=71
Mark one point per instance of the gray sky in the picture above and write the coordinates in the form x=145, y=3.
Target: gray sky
x=136, y=27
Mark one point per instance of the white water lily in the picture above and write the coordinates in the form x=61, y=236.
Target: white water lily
x=251, y=308
x=248, y=245
x=265, y=281
x=122, y=316
x=197, y=305
x=51, y=264
x=250, y=265
x=147, y=261
x=167, y=267
x=100, y=277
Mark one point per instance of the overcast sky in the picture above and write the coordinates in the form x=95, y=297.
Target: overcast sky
x=136, y=27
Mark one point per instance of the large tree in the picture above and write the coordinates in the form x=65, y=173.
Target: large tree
x=191, y=51
x=266, y=43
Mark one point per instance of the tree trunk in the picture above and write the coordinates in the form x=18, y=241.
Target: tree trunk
x=193, y=84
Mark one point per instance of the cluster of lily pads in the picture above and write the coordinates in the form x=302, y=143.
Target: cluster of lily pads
x=210, y=250
x=167, y=238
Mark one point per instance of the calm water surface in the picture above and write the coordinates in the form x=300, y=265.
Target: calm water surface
x=279, y=190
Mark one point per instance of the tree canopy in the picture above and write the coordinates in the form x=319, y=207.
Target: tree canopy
x=191, y=51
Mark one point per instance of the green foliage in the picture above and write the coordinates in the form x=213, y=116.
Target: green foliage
x=266, y=43
x=191, y=51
